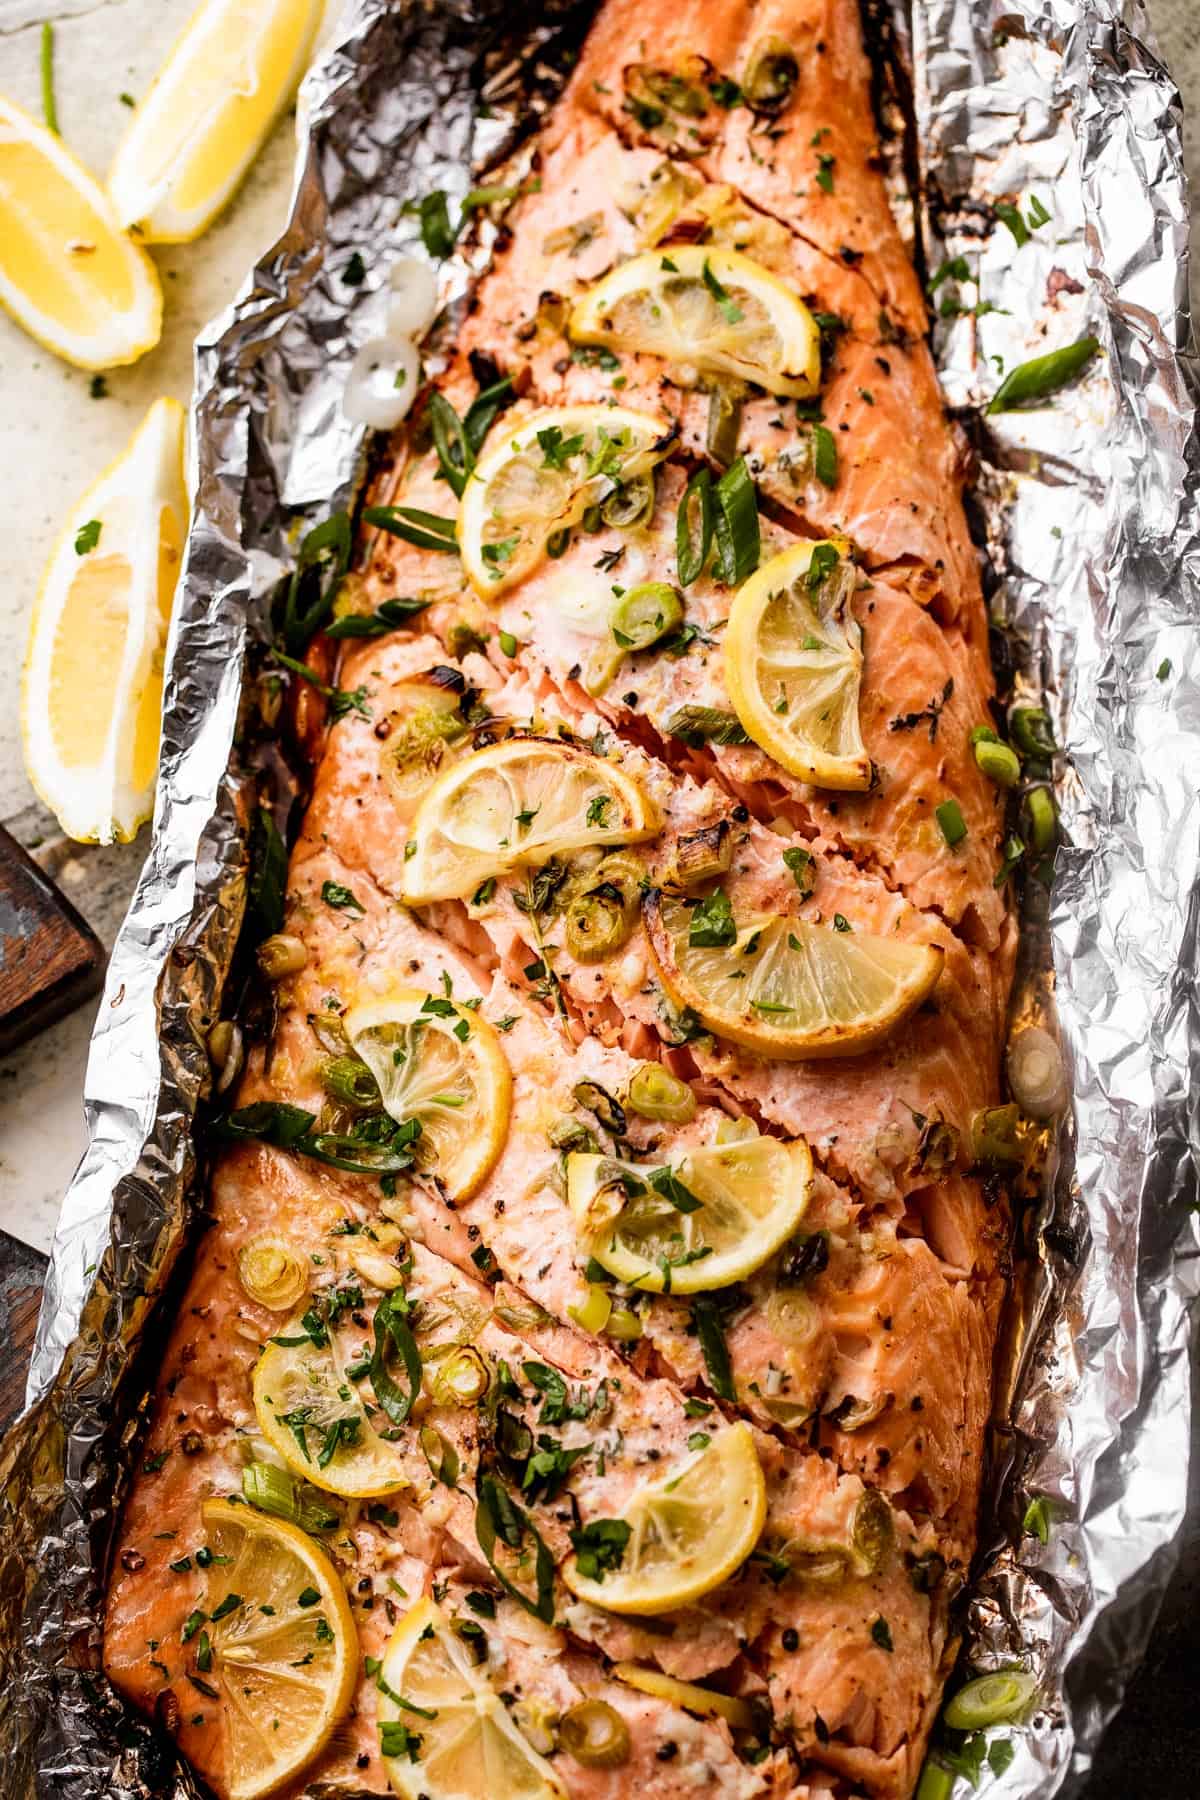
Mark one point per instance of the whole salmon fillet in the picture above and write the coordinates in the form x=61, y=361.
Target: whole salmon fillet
x=853, y=1348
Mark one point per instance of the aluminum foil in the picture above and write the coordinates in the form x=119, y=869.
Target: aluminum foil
x=1088, y=508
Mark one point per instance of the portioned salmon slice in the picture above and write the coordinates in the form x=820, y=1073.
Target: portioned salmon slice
x=395, y=1333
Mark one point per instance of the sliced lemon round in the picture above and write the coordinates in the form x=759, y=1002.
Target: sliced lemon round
x=191, y=140
x=311, y=1413
x=789, y=989
x=515, y=805
x=687, y=1695
x=793, y=664
x=91, y=693
x=284, y=1655
x=535, y=483
x=453, y=1738
x=442, y=1065
x=68, y=273
x=710, y=1218
x=715, y=311
x=689, y=1529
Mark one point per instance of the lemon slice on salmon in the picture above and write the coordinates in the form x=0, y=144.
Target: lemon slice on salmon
x=277, y=1642
x=515, y=805
x=712, y=310
x=442, y=1065
x=539, y=480
x=712, y=1217
x=688, y=1530
x=788, y=989
x=311, y=1413
x=793, y=665
x=68, y=273
x=444, y=1731
x=204, y=120
x=91, y=693
x=689, y=1696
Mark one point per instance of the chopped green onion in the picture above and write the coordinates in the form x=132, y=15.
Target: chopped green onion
x=644, y=614
x=624, y=1325
x=697, y=725
x=654, y=1093
x=593, y=1313
x=1031, y=731
x=1014, y=850
x=950, y=819
x=998, y=762
x=1037, y=1519
x=991, y=1700
x=428, y=531
x=1042, y=815
x=936, y=1783
x=455, y=456
x=709, y=1330
x=1043, y=375
x=693, y=545
x=724, y=424
x=736, y=524
x=49, y=105
x=349, y=1080
x=996, y=1135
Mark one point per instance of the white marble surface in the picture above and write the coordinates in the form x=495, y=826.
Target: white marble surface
x=54, y=439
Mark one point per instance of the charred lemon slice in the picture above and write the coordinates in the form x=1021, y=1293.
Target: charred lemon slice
x=715, y=311
x=688, y=1530
x=711, y=1218
x=444, y=1731
x=515, y=805
x=278, y=1643
x=538, y=481
x=793, y=665
x=788, y=989
x=311, y=1412
x=443, y=1066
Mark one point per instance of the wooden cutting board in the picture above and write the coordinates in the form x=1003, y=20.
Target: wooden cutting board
x=50, y=958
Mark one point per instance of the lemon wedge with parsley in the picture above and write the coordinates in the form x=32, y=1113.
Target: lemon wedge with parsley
x=535, y=483
x=712, y=310
x=684, y=1532
x=444, y=1731
x=515, y=805
x=710, y=1217
x=91, y=693
x=785, y=988
x=206, y=116
x=278, y=1644
x=68, y=273
x=793, y=665
x=443, y=1066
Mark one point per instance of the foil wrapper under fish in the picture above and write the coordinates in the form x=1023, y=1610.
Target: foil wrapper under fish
x=1088, y=510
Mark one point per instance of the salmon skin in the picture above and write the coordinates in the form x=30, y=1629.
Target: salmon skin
x=856, y=1350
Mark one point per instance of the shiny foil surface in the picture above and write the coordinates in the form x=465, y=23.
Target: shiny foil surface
x=1088, y=509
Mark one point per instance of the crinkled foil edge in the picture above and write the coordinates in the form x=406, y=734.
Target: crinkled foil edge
x=1093, y=1402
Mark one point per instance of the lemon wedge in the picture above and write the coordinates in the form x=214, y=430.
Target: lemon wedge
x=453, y=1738
x=689, y=1529
x=789, y=989
x=91, y=692
x=311, y=1413
x=442, y=1065
x=712, y=310
x=68, y=273
x=283, y=1656
x=191, y=140
x=688, y=1695
x=515, y=805
x=537, y=482
x=793, y=665
x=713, y=1217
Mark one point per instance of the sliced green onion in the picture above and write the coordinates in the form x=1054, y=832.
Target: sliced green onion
x=273, y=1490
x=595, y=1734
x=998, y=762
x=630, y=504
x=982, y=734
x=724, y=424
x=771, y=75
x=1043, y=375
x=736, y=524
x=455, y=456
x=428, y=531
x=49, y=106
x=392, y=1331
x=654, y=1093
x=593, y=1314
x=624, y=1325
x=991, y=1700
x=598, y=923
x=646, y=613
x=1031, y=731
x=441, y=1455
x=1042, y=815
x=485, y=408
x=462, y=1379
x=950, y=819
x=692, y=545
x=697, y=725
x=996, y=1135
x=936, y=1783
x=347, y=1079
x=1014, y=850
